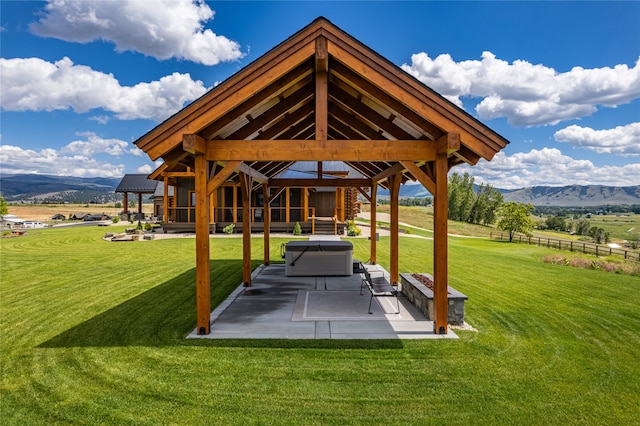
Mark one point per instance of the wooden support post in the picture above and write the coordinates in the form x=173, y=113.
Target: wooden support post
x=139, y=203
x=165, y=201
x=235, y=204
x=223, y=205
x=394, y=190
x=322, y=89
x=267, y=223
x=374, y=225
x=245, y=188
x=340, y=204
x=440, y=249
x=287, y=205
x=126, y=203
x=213, y=206
x=305, y=204
x=203, y=277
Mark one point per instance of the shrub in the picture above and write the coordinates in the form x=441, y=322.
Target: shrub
x=115, y=219
x=229, y=228
x=352, y=229
x=626, y=268
x=297, y=230
x=147, y=226
x=139, y=226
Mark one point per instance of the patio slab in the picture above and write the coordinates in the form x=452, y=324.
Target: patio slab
x=281, y=307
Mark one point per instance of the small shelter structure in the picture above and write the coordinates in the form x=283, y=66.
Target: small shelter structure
x=138, y=184
x=319, y=96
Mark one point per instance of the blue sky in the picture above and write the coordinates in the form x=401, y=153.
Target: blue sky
x=80, y=81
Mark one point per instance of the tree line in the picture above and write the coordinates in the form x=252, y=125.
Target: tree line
x=468, y=205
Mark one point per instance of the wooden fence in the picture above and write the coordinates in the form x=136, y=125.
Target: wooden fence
x=579, y=246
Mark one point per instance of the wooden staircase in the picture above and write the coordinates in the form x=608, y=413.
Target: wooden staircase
x=326, y=226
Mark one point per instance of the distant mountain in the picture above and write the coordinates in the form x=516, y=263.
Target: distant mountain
x=45, y=188
x=566, y=196
x=57, y=189
x=575, y=195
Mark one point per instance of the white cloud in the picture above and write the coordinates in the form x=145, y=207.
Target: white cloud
x=548, y=167
x=146, y=169
x=102, y=119
x=49, y=161
x=78, y=158
x=163, y=28
x=32, y=84
x=621, y=140
x=94, y=144
x=524, y=93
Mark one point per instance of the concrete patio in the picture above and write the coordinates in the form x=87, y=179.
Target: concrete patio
x=283, y=307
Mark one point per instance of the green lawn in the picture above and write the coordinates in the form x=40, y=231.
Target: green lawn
x=93, y=332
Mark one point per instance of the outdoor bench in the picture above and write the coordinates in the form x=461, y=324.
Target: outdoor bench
x=378, y=287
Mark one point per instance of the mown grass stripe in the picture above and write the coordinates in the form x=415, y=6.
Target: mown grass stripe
x=93, y=332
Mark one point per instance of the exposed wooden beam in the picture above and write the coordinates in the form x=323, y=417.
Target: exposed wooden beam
x=310, y=150
x=288, y=119
x=315, y=183
x=179, y=174
x=299, y=73
x=369, y=113
x=194, y=144
x=342, y=130
x=383, y=97
x=256, y=175
x=420, y=175
x=279, y=190
x=448, y=144
x=396, y=168
x=222, y=175
x=322, y=89
x=350, y=119
x=239, y=88
x=322, y=55
x=270, y=115
x=364, y=193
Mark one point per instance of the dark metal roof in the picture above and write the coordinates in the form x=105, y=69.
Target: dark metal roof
x=137, y=183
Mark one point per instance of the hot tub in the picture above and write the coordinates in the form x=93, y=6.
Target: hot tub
x=318, y=258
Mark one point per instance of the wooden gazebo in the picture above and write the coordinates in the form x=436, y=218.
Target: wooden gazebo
x=138, y=184
x=320, y=96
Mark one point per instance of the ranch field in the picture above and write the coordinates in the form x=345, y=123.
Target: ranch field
x=43, y=212
x=93, y=332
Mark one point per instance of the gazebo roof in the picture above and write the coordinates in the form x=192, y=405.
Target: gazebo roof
x=137, y=183
x=304, y=97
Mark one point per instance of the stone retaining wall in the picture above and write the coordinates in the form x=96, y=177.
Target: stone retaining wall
x=422, y=298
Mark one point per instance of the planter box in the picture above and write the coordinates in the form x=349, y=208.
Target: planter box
x=422, y=298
